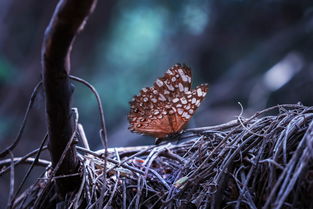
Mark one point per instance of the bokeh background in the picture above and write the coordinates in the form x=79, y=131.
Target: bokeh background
x=258, y=53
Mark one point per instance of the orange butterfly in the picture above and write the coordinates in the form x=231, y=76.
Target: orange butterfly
x=166, y=107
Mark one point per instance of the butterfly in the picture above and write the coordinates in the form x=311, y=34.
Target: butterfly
x=166, y=107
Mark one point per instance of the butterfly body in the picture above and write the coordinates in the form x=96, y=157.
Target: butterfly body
x=167, y=106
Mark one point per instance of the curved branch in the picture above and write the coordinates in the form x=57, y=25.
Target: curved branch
x=67, y=21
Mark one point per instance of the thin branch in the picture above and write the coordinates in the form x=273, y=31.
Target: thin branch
x=29, y=160
x=25, y=158
x=103, y=136
x=32, y=166
x=20, y=132
x=12, y=175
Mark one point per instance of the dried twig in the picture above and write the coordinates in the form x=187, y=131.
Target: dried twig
x=259, y=162
x=12, y=176
x=20, y=132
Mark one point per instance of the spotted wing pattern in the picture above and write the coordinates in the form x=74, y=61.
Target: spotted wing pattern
x=167, y=106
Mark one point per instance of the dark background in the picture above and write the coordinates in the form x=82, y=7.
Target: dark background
x=258, y=53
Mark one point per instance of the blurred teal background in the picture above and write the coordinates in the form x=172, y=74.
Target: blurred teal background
x=239, y=47
x=258, y=53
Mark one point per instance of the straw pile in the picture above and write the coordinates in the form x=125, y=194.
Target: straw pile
x=264, y=161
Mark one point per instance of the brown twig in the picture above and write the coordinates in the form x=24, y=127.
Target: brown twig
x=31, y=167
x=12, y=176
x=20, y=132
x=67, y=21
x=259, y=162
x=103, y=131
x=22, y=159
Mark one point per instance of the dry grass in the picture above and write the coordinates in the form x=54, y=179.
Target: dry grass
x=261, y=162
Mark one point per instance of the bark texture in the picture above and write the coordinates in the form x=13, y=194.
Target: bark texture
x=68, y=19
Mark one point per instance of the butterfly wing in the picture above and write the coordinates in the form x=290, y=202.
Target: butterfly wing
x=147, y=114
x=168, y=105
x=175, y=82
x=186, y=106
